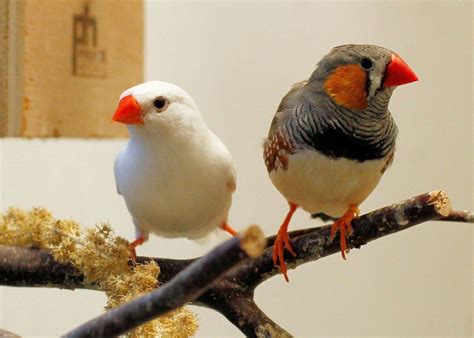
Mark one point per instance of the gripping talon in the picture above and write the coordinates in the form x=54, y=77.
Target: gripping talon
x=275, y=253
x=139, y=241
x=342, y=233
x=283, y=268
x=286, y=241
x=344, y=226
x=282, y=242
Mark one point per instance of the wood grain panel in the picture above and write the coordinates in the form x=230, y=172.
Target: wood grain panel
x=70, y=62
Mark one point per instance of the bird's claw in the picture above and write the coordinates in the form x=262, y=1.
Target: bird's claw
x=282, y=242
x=344, y=226
x=133, y=245
x=133, y=254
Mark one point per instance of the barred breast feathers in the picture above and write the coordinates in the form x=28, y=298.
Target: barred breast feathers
x=304, y=122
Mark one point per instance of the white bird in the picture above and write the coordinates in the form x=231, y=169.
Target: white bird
x=175, y=175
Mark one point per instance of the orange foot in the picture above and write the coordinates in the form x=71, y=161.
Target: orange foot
x=229, y=229
x=344, y=226
x=139, y=241
x=282, y=242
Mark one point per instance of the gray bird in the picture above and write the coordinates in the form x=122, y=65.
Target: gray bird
x=333, y=137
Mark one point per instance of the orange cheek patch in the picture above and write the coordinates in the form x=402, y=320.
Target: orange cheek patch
x=346, y=86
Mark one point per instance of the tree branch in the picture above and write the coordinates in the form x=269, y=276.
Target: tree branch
x=316, y=244
x=186, y=286
x=238, y=306
x=32, y=267
x=232, y=293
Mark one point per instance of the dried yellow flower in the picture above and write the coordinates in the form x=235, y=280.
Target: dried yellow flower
x=101, y=257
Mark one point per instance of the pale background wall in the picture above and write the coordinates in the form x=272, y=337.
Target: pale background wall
x=237, y=60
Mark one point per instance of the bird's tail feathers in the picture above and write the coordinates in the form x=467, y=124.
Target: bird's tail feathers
x=323, y=217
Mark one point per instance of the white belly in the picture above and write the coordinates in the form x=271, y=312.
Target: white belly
x=188, y=208
x=318, y=183
x=175, y=194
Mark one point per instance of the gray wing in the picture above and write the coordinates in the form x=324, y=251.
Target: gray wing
x=276, y=146
x=287, y=103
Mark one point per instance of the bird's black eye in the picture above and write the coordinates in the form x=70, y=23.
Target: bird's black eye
x=366, y=63
x=159, y=103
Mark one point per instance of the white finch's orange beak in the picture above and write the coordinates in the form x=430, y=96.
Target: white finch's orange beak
x=128, y=111
x=398, y=73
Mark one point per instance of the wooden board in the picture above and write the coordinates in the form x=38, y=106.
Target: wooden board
x=64, y=63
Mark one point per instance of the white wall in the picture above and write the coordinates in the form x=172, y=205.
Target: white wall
x=237, y=60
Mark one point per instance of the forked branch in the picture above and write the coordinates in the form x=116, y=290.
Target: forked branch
x=219, y=280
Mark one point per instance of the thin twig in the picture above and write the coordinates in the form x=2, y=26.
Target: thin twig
x=459, y=216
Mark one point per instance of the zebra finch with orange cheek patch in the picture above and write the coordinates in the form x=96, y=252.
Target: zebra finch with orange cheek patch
x=333, y=137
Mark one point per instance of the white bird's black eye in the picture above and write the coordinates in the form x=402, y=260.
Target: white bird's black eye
x=366, y=63
x=159, y=103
